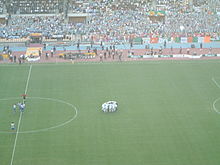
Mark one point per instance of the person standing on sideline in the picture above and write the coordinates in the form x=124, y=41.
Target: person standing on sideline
x=39, y=53
x=113, y=55
x=101, y=57
x=188, y=51
x=210, y=50
x=160, y=50
x=47, y=55
x=200, y=45
x=180, y=50
x=54, y=49
x=165, y=44
x=120, y=55
x=19, y=60
x=14, y=58
x=12, y=126
x=51, y=53
x=105, y=55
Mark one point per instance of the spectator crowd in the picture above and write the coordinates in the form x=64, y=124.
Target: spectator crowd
x=33, y=6
x=2, y=2
x=120, y=21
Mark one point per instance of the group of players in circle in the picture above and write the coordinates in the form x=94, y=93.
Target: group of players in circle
x=110, y=106
x=21, y=107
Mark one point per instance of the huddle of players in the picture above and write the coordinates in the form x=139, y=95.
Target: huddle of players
x=110, y=106
x=21, y=107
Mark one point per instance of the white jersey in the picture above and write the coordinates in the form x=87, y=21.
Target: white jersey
x=12, y=125
x=104, y=107
x=23, y=105
x=110, y=106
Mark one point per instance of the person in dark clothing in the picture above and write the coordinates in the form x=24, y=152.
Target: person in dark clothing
x=47, y=55
x=114, y=48
x=120, y=56
x=180, y=50
x=131, y=44
x=165, y=44
x=105, y=55
x=200, y=45
x=15, y=59
x=54, y=49
x=45, y=46
x=109, y=54
x=19, y=60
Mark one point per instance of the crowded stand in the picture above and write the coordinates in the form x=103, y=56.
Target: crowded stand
x=22, y=26
x=33, y=6
x=2, y=6
x=111, y=22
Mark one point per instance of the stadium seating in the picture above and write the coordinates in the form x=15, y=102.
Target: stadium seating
x=109, y=21
x=2, y=6
x=35, y=6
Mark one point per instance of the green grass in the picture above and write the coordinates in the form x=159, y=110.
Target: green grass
x=165, y=114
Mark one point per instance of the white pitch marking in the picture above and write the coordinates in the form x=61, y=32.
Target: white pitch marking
x=213, y=105
x=20, y=117
x=120, y=63
x=45, y=129
x=29, y=75
x=216, y=83
x=56, y=126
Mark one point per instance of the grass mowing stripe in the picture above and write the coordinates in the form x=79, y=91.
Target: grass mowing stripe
x=162, y=120
x=20, y=117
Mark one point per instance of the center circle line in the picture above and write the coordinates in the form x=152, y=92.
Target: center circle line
x=49, y=128
x=214, y=107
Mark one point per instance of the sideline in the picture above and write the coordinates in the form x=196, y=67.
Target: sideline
x=130, y=62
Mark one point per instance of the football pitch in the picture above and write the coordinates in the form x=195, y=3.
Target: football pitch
x=168, y=113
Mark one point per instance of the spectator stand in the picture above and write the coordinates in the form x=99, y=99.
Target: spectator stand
x=35, y=6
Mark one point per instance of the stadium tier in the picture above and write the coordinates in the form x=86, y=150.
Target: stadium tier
x=2, y=5
x=34, y=6
x=114, y=21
